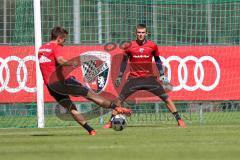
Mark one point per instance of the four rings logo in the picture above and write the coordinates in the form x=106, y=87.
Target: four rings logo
x=5, y=68
x=199, y=72
x=96, y=67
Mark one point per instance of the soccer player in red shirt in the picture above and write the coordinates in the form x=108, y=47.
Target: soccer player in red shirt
x=141, y=77
x=52, y=61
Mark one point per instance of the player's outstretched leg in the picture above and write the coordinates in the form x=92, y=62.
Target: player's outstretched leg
x=174, y=111
x=105, y=103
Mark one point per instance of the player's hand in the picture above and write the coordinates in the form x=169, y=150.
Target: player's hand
x=118, y=81
x=164, y=79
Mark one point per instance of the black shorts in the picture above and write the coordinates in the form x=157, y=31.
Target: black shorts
x=61, y=91
x=150, y=84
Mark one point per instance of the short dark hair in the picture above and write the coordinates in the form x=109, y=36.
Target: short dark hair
x=58, y=31
x=141, y=26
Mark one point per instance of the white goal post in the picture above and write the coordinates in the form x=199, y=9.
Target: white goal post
x=39, y=80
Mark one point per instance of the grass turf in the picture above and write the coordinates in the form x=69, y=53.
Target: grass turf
x=213, y=142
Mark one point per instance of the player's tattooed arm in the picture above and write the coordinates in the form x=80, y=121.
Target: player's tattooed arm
x=65, y=62
x=163, y=78
x=159, y=65
x=122, y=69
x=123, y=65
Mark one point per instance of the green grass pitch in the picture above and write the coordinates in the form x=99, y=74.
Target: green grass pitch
x=163, y=142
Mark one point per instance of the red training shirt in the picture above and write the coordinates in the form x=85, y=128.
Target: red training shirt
x=47, y=56
x=140, y=57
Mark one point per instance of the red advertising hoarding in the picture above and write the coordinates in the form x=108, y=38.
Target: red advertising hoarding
x=196, y=72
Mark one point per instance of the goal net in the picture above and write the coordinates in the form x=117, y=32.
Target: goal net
x=198, y=41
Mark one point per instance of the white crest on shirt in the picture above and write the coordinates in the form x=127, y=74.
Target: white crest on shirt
x=44, y=59
x=141, y=50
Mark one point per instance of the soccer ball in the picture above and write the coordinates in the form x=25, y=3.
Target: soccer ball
x=119, y=122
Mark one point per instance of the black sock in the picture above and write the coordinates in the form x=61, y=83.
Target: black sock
x=176, y=115
x=111, y=117
x=113, y=105
x=87, y=127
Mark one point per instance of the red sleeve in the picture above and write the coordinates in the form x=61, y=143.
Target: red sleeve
x=58, y=51
x=155, y=50
x=126, y=52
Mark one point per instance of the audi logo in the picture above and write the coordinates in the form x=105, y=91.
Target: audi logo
x=199, y=73
x=197, y=68
x=20, y=67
